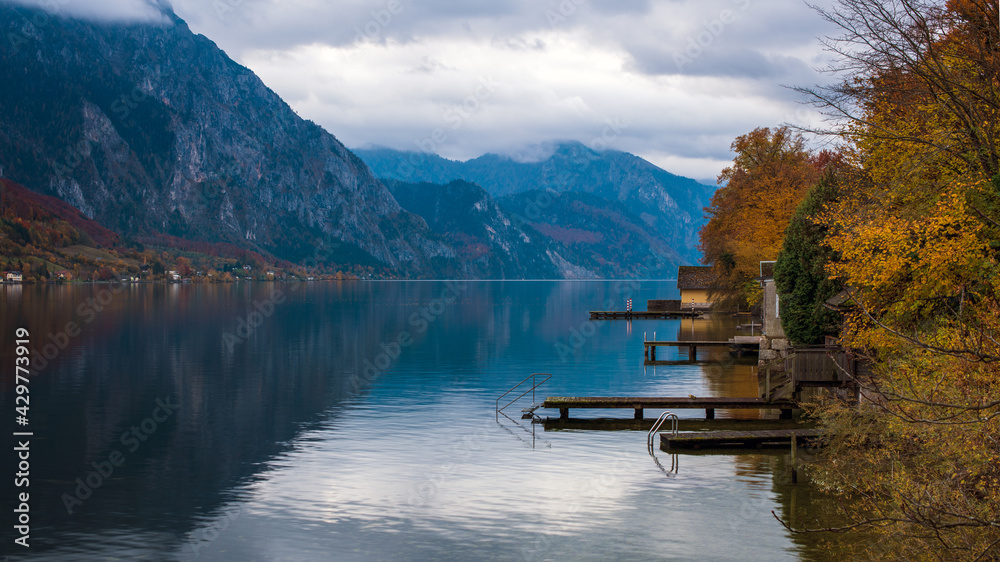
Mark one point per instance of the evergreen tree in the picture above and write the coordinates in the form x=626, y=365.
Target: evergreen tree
x=800, y=272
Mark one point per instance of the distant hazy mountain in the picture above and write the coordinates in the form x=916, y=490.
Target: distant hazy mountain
x=600, y=235
x=486, y=240
x=152, y=130
x=665, y=208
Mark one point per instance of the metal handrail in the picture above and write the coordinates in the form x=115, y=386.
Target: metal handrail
x=534, y=385
x=672, y=473
x=656, y=426
x=674, y=465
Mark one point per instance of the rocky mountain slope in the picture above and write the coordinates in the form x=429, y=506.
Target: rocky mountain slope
x=152, y=130
x=483, y=234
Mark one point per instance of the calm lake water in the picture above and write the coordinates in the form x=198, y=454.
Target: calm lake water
x=356, y=421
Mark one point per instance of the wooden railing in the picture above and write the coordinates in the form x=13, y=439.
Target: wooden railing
x=821, y=366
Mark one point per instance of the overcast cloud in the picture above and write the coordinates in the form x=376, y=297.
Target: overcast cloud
x=100, y=10
x=673, y=81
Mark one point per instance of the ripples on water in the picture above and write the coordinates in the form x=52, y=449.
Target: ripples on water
x=287, y=446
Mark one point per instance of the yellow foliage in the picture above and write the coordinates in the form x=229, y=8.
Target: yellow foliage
x=917, y=239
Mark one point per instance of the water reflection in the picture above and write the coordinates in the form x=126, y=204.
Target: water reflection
x=358, y=418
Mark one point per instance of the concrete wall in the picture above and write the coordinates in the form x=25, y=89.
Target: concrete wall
x=772, y=378
x=771, y=307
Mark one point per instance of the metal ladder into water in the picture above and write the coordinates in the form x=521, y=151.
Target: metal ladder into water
x=529, y=412
x=651, y=436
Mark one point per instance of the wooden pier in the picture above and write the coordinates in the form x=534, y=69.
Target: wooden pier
x=736, y=439
x=640, y=403
x=643, y=314
x=683, y=424
x=738, y=345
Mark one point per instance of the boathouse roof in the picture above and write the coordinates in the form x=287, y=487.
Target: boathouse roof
x=696, y=277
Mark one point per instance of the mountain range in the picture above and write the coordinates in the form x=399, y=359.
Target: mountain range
x=155, y=133
x=613, y=209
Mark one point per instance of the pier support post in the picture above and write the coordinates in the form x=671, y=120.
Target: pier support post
x=795, y=473
x=709, y=413
x=638, y=414
x=564, y=413
x=652, y=353
x=692, y=352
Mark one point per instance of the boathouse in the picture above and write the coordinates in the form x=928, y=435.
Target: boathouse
x=696, y=283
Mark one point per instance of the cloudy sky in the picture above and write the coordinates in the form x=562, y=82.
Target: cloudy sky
x=673, y=81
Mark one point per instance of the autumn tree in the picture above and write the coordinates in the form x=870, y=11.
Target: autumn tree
x=184, y=266
x=915, y=236
x=770, y=174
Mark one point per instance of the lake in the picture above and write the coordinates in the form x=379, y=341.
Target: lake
x=356, y=421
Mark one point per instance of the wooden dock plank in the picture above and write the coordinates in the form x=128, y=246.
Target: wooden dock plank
x=721, y=439
x=662, y=402
x=641, y=403
x=738, y=345
x=699, y=343
x=684, y=424
x=641, y=314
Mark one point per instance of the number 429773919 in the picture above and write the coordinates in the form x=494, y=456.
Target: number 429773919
x=21, y=370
